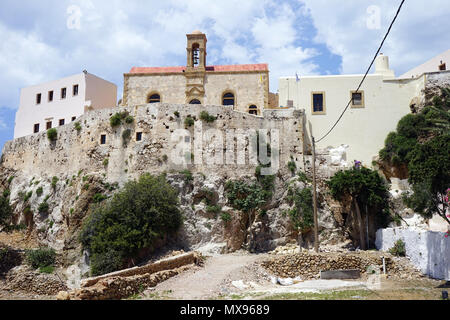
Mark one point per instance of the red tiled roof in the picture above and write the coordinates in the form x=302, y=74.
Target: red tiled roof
x=231, y=68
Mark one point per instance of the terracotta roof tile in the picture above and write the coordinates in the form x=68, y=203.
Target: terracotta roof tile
x=230, y=68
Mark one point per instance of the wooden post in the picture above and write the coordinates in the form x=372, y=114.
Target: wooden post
x=316, y=224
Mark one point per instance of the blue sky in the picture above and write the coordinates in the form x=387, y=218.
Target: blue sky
x=46, y=40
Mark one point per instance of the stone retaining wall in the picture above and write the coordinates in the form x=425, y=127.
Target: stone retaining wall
x=124, y=283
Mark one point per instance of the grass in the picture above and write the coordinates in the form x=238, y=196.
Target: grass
x=47, y=269
x=331, y=295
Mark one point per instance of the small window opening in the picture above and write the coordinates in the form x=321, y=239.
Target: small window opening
x=155, y=98
x=75, y=90
x=63, y=93
x=228, y=99
x=103, y=139
x=50, y=96
x=74, y=118
x=357, y=98
x=62, y=122
x=38, y=98
x=318, y=102
x=196, y=55
x=36, y=128
x=195, y=101
x=49, y=125
x=138, y=136
x=253, y=110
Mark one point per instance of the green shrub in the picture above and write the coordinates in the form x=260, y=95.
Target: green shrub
x=99, y=197
x=189, y=122
x=245, y=196
x=86, y=187
x=54, y=182
x=115, y=120
x=429, y=175
x=134, y=219
x=398, y=249
x=292, y=166
x=105, y=162
x=40, y=258
x=77, y=126
x=28, y=196
x=47, y=269
x=303, y=177
x=106, y=262
x=5, y=211
x=52, y=134
x=213, y=209
x=126, y=134
x=176, y=114
x=187, y=176
x=6, y=193
x=205, y=116
x=226, y=217
x=129, y=120
x=10, y=179
x=43, y=207
x=302, y=216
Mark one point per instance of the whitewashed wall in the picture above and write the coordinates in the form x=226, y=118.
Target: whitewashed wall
x=429, y=251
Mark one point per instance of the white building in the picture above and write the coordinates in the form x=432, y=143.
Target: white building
x=59, y=102
x=439, y=63
x=373, y=113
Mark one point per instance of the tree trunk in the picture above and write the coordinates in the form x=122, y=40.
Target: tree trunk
x=362, y=240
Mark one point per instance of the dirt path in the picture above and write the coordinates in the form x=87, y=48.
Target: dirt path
x=206, y=282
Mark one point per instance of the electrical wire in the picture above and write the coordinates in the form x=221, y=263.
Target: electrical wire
x=367, y=72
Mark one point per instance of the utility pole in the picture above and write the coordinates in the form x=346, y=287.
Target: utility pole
x=316, y=224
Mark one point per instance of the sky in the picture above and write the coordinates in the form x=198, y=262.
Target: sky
x=46, y=40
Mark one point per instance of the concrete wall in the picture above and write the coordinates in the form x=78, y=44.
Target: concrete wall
x=363, y=129
x=249, y=88
x=428, y=251
x=101, y=93
x=30, y=113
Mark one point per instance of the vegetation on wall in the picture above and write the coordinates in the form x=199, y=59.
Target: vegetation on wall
x=364, y=188
x=52, y=134
x=302, y=215
x=205, y=116
x=189, y=121
x=422, y=144
x=42, y=259
x=5, y=211
x=134, y=219
x=116, y=119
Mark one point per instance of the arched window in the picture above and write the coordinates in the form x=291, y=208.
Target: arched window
x=154, y=98
x=195, y=101
x=195, y=55
x=253, y=110
x=228, y=99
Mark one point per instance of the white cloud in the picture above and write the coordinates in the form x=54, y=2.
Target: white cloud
x=419, y=33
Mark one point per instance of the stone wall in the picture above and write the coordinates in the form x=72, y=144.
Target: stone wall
x=249, y=88
x=124, y=283
x=73, y=151
x=428, y=251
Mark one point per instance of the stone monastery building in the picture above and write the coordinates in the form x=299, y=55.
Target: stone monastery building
x=245, y=87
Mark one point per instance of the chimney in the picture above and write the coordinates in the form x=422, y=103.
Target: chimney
x=382, y=66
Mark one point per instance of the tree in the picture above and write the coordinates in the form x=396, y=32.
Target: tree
x=429, y=174
x=365, y=188
x=134, y=219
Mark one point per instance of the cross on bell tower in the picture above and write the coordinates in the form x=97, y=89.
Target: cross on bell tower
x=196, y=66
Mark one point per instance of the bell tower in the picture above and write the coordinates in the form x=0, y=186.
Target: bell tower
x=196, y=66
